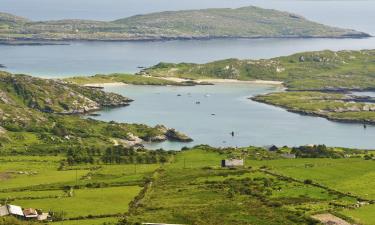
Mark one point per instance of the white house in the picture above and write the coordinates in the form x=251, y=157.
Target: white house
x=15, y=210
x=232, y=162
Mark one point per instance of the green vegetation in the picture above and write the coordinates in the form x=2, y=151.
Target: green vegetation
x=317, y=71
x=309, y=78
x=364, y=215
x=195, y=190
x=127, y=79
x=192, y=187
x=338, y=107
x=72, y=190
x=85, y=202
x=123, y=78
x=37, y=116
x=246, y=22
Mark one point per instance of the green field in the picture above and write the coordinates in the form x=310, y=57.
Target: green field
x=346, y=175
x=101, y=221
x=363, y=215
x=192, y=188
x=85, y=202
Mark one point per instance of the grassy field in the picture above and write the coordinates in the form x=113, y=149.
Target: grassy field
x=100, y=221
x=194, y=189
x=107, y=201
x=29, y=174
x=197, y=182
x=363, y=215
x=346, y=175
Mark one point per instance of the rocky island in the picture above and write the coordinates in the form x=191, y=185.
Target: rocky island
x=245, y=22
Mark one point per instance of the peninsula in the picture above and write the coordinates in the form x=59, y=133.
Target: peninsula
x=43, y=116
x=245, y=22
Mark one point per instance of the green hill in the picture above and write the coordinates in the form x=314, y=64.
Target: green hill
x=322, y=70
x=246, y=22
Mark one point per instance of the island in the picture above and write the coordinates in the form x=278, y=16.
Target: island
x=245, y=22
x=317, y=83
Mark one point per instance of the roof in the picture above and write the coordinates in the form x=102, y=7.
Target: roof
x=15, y=210
x=30, y=212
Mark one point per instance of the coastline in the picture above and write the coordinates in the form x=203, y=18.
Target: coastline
x=197, y=82
x=269, y=82
x=68, y=41
x=102, y=85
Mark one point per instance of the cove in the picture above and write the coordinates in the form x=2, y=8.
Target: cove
x=225, y=108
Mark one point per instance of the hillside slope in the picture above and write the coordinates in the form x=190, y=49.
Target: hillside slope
x=317, y=71
x=246, y=22
x=39, y=115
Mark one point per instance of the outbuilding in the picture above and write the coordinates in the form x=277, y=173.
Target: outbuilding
x=232, y=162
x=15, y=210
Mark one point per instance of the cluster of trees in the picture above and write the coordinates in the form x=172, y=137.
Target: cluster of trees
x=122, y=155
x=115, y=155
x=316, y=151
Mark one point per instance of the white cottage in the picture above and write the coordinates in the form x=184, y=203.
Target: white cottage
x=232, y=162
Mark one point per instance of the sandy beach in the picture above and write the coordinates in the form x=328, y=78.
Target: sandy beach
x=176, y=79
x=105, y=84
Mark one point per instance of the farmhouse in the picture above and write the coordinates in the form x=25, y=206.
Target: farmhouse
x=232, y=162
x=28, y=213
x=15, y=210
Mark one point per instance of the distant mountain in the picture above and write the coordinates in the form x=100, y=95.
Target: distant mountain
x=246, y=22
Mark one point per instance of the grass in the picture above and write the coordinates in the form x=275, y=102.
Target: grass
x=99, y=221
x=332, y=106
x=363, y=215
x=196, y=181
x=345, y=175
x=28, y=174
x=108, y=201
x=194, y=189
x=122, y=78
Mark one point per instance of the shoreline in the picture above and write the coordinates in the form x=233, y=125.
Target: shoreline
x=218, y=81
x=102, y=85
x=68, y=41
x=198, y=82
